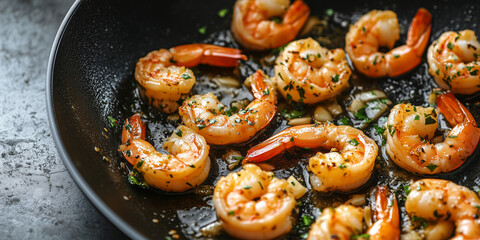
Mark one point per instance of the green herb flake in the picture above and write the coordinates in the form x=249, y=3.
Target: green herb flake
x=291, y=139
x=201, y=126
x=396, y=55
x=259, y=183
x=179, y=133
x=304, y=235
x=293, y=183
x=354, y=142
x=432, y=167
x=379, y=130
x=437, y=72
x=222, y=12
x=266, y=92
x=344, y=120
x=306, y=220
x=113, y=121
x=474, y=72
x=139, y=164
x=335, y=78
x=192, y=166
x=247, y=187
x=238, y=157
x=429, y=120
x=364, y=30
x=231, y=213
x=417, y=117
x=186, y=76
x=329, y=12
x=128, y=127
x=365, y=236
x=450, y=45
x=375, y=60
x=276, y=19
x=452, y=136
x=342, y=166
x=406, y=189
x=202, y=30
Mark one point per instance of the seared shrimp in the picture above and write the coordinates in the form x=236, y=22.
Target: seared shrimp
x=453, y=62
x=207, y=116
x=187, y=165
x=380, y=29
x=346, y=221
x=410, y=129
x=441, y=200
x=348, y=166
x=308, y=73
x=253, y=28
x=253, y=204
x=164, y=76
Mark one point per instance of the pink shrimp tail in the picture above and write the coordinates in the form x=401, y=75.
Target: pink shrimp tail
x=453, y=110
x=419, y=31
x=191, y=55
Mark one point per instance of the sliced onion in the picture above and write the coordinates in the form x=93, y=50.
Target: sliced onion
x=357, y=200
x=297, y=188
x=227, y=81
x=370, y=95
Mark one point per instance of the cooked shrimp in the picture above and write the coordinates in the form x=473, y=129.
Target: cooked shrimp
x=207, y=116
x=346, y=221
x=442, y=200
x=453, y=62
x=348, y=166
x=253, y=28
x=253, y=204
x=380, y=29
x=187, y=165
x=164, y=76
x=308, y=73
x=410, y=129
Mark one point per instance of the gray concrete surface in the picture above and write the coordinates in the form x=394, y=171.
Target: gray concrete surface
x=38, y=198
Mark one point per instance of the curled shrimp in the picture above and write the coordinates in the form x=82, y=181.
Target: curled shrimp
x=380, y=29
x=441, y=200
x=346, y=221
x=253, y=204
x=348, y=166
x=453, y=62
x=308, y=73
x=207, y=116
x=164, y=76
x=186, y=167
x=410, y=129
x=253, y=29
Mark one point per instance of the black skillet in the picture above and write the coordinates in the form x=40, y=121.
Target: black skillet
x=90, y=77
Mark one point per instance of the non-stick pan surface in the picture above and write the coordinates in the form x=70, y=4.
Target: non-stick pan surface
x=90, y=77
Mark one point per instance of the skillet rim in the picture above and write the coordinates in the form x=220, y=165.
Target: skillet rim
x=67, y=161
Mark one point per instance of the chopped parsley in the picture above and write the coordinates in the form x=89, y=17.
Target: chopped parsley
x=379, y=130
x=201, y=126
x=113, y=121
x=202, y=30
x=344, y=120
x=354, y=142
x=179, y=133
x=342, y=166
x=238, y=157
x=231, y=213
x=222, y=12
x=335, y=78
x=186, y=76
x=365, y=235
x=450, y=45
x=247, y=187
x=432, y=167
x=406, y=189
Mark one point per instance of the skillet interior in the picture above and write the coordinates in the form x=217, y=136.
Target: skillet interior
x=92, y=76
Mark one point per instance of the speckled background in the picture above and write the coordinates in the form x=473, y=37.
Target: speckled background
x=38, y=198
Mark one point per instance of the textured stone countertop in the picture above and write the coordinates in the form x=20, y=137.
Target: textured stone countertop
x=38, y=198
